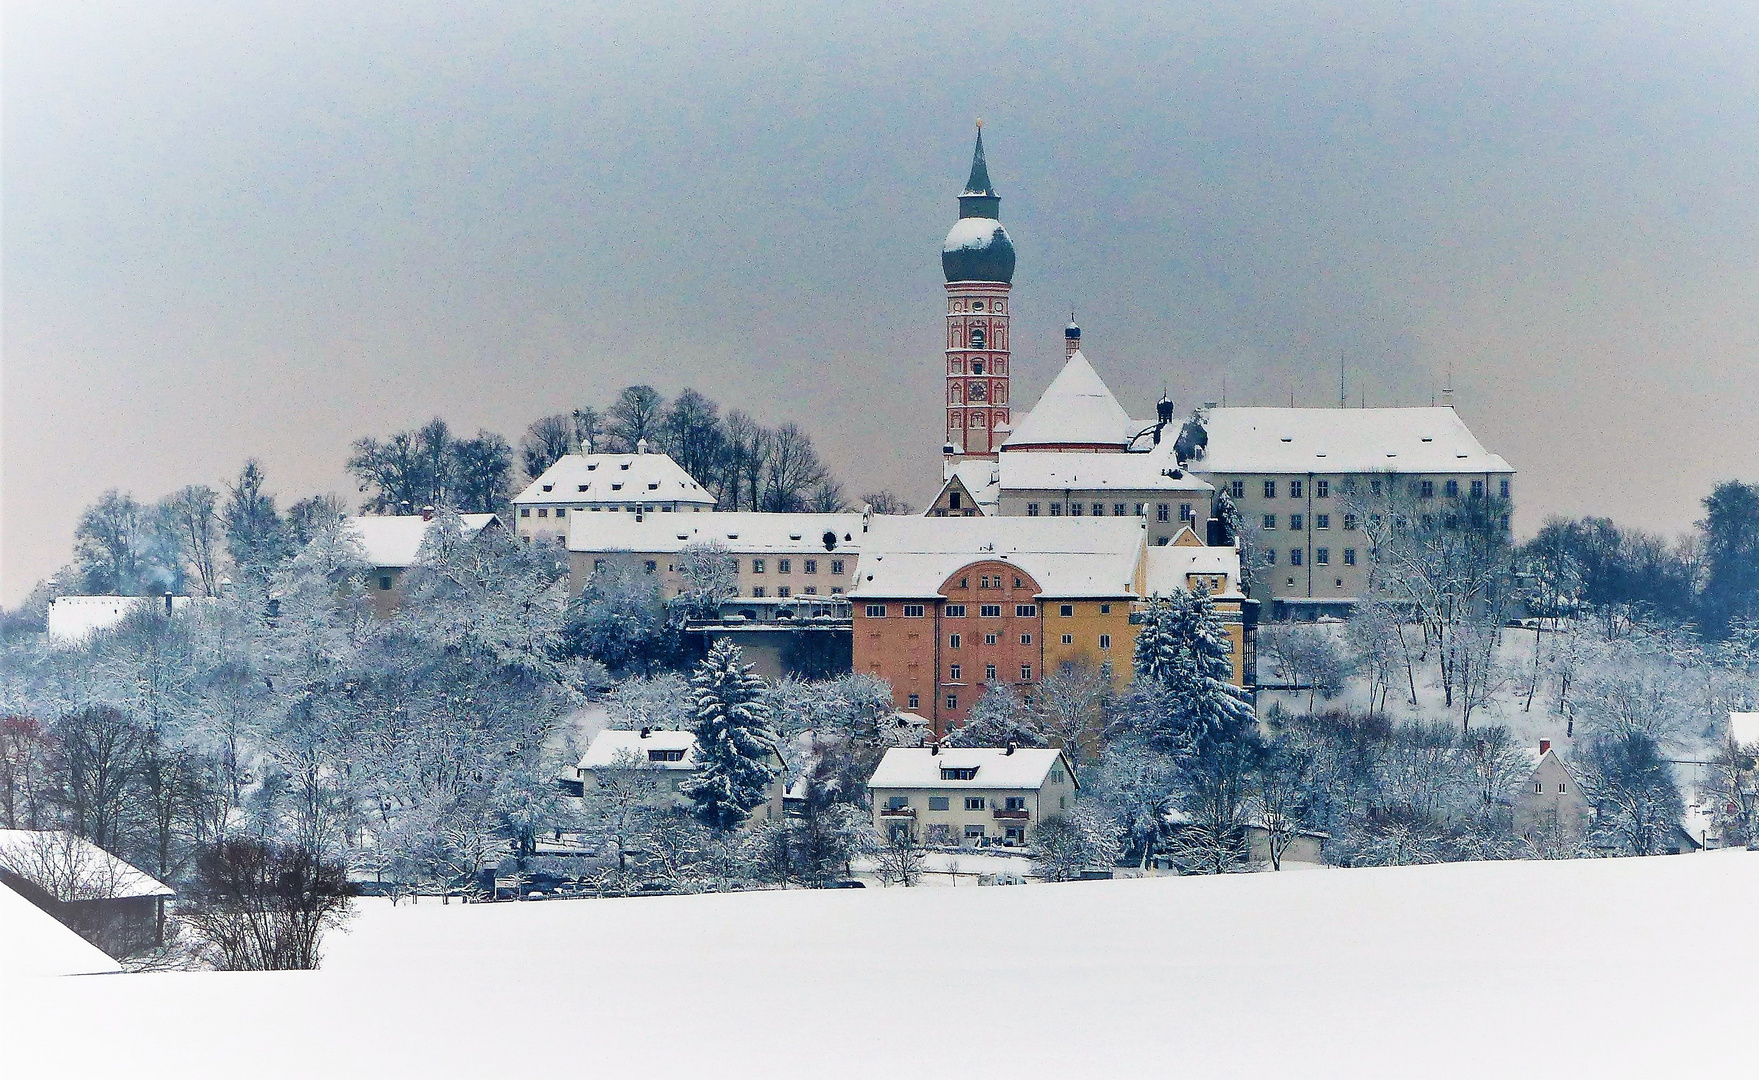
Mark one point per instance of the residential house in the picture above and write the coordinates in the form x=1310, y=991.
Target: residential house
x=665, y=759
x=390, y=544
x=972, y=797
x=637, y=484
x=72, y=619
x=108, y=902
x=1551, y=802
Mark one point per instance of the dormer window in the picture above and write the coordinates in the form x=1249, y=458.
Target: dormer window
x=592, y=466
x=958, y=774
x=665, y=755
x=582, y=487
x=624, y=466
x=616, y=487
x=549, y=487
x=655, y=486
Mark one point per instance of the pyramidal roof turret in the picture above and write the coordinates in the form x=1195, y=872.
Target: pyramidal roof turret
x=979, y=199
x=1077, y=411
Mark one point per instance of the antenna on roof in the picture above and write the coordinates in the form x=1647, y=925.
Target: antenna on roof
x=1343, y=398
x=1447, y=389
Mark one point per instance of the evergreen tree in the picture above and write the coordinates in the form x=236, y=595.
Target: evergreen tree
x=734, y=741
x=1184, y=675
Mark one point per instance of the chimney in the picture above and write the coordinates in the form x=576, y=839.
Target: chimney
x=641, y=446
x=167, y=603
x=427, y=513
x=1544, y=747
x=934, y=750
x=1012, y=746
x=1071, y=338
x=644, y=732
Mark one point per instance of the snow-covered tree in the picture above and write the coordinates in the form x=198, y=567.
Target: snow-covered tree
x=998, y=718
x=664, y=702
x=1070, y=708
x=734, y=741
x=1184, y=673
x=1082, y=838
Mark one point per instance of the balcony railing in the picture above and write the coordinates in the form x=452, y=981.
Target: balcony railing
x=1011, y=815
x=897, y=811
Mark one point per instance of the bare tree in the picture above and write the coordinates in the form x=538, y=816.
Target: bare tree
x=261, y=906
x=545, y=442
x=884, y=501
x=741, y=473
x=900, y=857
x=791, y=471
x=589, y=429
x=1070, y=705
x=634, y=416
x=192, y=516
x=690, y=431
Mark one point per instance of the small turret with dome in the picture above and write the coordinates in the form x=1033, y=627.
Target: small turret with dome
x=977, y=247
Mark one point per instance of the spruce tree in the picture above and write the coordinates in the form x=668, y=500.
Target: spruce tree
x=734, y=741
x=1182, y=666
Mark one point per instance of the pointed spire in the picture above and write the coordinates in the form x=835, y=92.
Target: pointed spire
x=979, y=199
x=979, y=183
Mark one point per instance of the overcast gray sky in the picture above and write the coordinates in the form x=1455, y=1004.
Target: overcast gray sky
x=266, y=229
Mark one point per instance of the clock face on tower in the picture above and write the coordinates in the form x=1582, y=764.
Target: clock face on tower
x=978, y=392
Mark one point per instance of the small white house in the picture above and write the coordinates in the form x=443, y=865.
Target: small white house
x=971, y=796
x=667, y=758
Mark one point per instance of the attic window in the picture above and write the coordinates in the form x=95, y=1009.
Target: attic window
x=592, y=466
x=958, y=774
x=549, y=487
x=616, y=487
x=732, y=536
x=665, y=755
x=683, y=536
x=654, y=486
x=1287, y=439
x=1462, y=457
x=624, y=466
x=793, y=536
x=582, y=487
x=1427, y=439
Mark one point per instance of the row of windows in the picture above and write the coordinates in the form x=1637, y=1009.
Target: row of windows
x=1321, y=556
x=956, y=672
x=955, y=641
x=786, y=566
x=972, y=802
x=957, y=611
x=1423, y=489
x=784, y=591
x=562, y=511
x=1162, y=511
x=1299, y=521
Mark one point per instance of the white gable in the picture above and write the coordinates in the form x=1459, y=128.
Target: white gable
x=392, y=541
x=1023, y=769
x=1077, y=409
x=1068, y=557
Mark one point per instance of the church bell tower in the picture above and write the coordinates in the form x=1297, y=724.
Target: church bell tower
x=978, y=263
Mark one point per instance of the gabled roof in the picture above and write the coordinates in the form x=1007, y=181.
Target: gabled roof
x=1024, y=769
x=1077, y=409
x=1275, y=440
x=977, y=479
x=76, y=864
x=742, y=531
x=613, y=748
x=1047, y=470
x=33, y=942
x=614, y=478
x=1068, y=557
x=1165, y=569
x=393, y=541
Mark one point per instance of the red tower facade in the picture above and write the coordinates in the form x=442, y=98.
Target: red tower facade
x=978, y=262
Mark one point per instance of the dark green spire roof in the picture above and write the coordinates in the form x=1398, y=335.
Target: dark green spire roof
x=979, y=199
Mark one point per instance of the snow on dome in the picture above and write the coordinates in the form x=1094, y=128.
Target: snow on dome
x=1077, y=410
x=978, y=249
x=972, y=233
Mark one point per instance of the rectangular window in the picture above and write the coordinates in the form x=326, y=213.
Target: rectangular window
x=1538, y=788
x=1296, y=521
x=597, y=565
x=1026, y=611
x=1503, y=488
x=1350, y=521
x=1294, y=556
x=938, y=802
x=1270, y=521
x=757, y=591
x=915, y=702
x=1105, y=641
x=1237, y=489
x=784, y=590
x=1163, y=512
x=1099, y=509
x=810, y=590
x=989, y=673
x=1478, y=489
x=989, y=611
x=954, y=641
x=897, y=802
x=1322, y=556
x=543, y=512
x=1349, y=556
x=954, y=673
x=1025, y=639
x=955, y=611
x=1118, y=510
x=836, y=590
x=1270, y=556
x=385, y=583
x=913, y=611
x=1068, y=639
x=812, y=566
x=1056, y=509
x=1185, y=513
x=1563, y=788
x=1322, y=489
x=989, y=639
x=1066, y=610
x=1141, y=509
x=665, y=755
x=1426, y=489
x=757, y=566
x=1031, y=509
x=1294, y=489
x=1452, y=489
x=952, y=701
x=525, y=511
x=1075, y=509
x=1025, y=672
x=1270, y=489
x=650, y=566
x=974, y=832
x=836, y=566
x=784, y=566
x=974, y=802
x=1322, y=521
x=1374, y=487
x=876, y=611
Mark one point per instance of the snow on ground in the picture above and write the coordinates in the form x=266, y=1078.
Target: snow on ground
x=1616, y=967
x=32, y=942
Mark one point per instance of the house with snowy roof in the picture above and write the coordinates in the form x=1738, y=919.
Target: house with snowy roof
x=636, y=484
x=390, y=544
x=34, y=942
x=659, y=762
x=73, y=619
x=1551, y=802
x=970, y=796
x=116, y=906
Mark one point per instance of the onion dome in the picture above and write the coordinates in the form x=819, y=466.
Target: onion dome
x=977, y=247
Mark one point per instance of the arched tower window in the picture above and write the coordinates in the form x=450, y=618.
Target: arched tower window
x=977, y=337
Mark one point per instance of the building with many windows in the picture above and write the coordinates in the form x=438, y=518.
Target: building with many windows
x=639, y=483
x=773, y=555
x=1305, y=480
x=970, y=796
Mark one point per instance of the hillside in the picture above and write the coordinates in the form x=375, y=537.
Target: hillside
x=1563, y=969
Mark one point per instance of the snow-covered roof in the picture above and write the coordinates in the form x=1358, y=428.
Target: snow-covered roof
x=1743, y=727
x=1166, y=569
x=34, y=943
x=1077, y=409
x=972, y=232
x=393, y=540
x=744, y=531
x=1039, y=470
x=978, y=478
x=910, y=767
x=613, y=748
x=75, y=618
x=1276, y=440
x=614, y=478
x=1068, y=557
x=83, y=864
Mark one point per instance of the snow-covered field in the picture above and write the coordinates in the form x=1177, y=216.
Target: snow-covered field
x=1618, y=968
